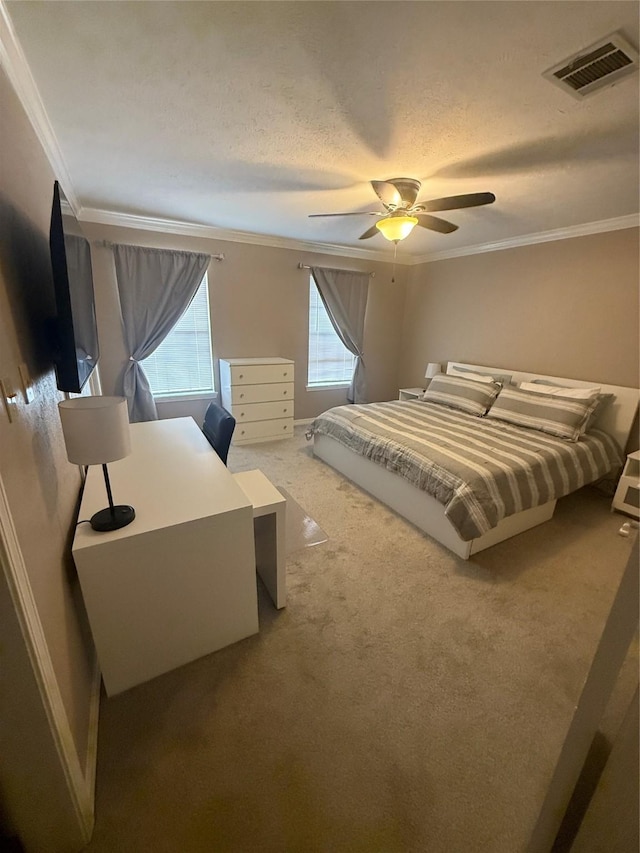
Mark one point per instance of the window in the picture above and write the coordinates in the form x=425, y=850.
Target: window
x=330, y=362
x=182, y=364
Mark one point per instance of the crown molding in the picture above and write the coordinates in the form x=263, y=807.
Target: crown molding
x=603, y=225
x=96, y=216
x=209, y=232
x=17, y=69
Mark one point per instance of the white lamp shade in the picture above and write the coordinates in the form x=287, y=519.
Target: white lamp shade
x=433, y=368
x=96, y=429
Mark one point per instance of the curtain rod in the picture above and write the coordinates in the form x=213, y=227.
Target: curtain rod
x=302, y=266
x=108, y=244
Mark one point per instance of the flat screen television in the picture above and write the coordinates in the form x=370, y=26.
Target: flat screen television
x=74, y=333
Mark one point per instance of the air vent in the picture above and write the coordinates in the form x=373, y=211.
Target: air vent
x=602, y=64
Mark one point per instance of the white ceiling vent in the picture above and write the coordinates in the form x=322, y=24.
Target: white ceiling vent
x=602, y=64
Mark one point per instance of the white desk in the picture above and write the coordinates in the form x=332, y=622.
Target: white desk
x=269, y=525
x=179, y=581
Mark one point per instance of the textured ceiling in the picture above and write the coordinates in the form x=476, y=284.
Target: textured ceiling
x=251, y=115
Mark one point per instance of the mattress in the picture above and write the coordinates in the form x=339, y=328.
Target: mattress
x=481, y=471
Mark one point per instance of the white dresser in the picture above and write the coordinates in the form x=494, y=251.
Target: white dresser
x=259, y=394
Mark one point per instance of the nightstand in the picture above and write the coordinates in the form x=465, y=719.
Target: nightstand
x=410, y=393
x=627, y=496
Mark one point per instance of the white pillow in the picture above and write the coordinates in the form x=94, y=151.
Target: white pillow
x=561, y=391
x=479, y=375
x=468, y=374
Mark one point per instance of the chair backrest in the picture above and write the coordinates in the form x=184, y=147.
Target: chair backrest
x=218, y=428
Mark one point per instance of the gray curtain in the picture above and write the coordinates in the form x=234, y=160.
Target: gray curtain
x=344, y=295
x=156, y=286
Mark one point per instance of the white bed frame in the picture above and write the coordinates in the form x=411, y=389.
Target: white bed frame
x=426, y=513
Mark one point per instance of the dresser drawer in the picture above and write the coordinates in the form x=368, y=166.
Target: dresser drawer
x=261, y=393
x=254, y=374
x=263, y=430
x=244, y=413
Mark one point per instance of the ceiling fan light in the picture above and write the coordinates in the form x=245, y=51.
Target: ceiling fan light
x=396, y=228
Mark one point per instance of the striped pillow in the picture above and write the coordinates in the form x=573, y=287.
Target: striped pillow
x=560, y=390
x=458, y=393
x=603, y=399
x=561, y=416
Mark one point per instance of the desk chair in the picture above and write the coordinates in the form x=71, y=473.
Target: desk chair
x=218, y=428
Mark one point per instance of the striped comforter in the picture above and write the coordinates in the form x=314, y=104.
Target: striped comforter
x=481, y=470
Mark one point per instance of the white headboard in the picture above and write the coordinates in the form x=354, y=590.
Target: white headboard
x=617, y=419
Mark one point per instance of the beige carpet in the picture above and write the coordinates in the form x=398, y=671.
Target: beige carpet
x=403, y=701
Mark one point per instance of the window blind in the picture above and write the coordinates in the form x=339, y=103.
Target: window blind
x=330, y=362
x=182, y=364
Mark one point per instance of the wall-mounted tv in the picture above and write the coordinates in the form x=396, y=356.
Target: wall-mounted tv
x=75, y=335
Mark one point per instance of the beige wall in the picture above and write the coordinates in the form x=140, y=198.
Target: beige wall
x=568, y=308
x=41, y=486
x=259, y=307
x=565, y=308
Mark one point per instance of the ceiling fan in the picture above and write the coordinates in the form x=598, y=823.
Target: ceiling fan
x=403, y=212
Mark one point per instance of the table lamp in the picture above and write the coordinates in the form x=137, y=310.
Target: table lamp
x=96, y=431
x=433, y=368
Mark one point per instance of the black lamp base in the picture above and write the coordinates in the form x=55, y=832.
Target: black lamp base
x=113, y=518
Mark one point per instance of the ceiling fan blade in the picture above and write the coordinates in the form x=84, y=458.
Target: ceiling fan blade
x=433, y=223
x=371, y=232
x=457, y=202
x=408, y=189
x=357, y=213
x=387, y=193
x=397, y=192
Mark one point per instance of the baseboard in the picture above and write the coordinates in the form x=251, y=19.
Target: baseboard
x=91, y=759
x=303, y=422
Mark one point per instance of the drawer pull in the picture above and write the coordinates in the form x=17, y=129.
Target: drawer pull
x=285, y=373
x=241, y=432
x=284, y=392
x=284, y=427
x=241, y=414
x=241, y=396
x=285, y=411
x=242, y=376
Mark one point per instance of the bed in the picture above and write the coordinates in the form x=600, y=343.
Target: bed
x=468, y=481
